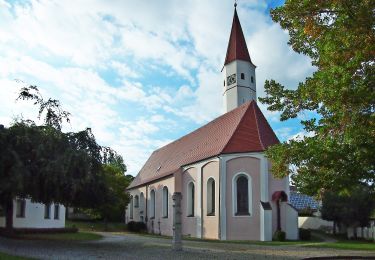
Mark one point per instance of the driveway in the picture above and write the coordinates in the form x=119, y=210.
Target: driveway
x=131, y=246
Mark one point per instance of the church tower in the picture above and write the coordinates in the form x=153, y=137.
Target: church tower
x=238, y=71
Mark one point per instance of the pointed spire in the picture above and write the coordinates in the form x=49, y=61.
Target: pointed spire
x=237, y=48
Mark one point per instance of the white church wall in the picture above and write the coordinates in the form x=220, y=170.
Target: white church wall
x=291, y=222
x=314, y=223
x=276, y=184
x=243, y=227
x=189, y=223
x=210, y=225
x=34, y=217
x=160, y=224
x=139, y=212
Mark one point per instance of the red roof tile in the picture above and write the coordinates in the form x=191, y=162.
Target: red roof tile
x=237, y=48
x=243, y=129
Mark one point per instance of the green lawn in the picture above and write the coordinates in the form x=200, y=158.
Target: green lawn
x=262, y=243
x=79, y=236
x=346, y=245
x=96, y=226
x=315, y=242
x=4, y=256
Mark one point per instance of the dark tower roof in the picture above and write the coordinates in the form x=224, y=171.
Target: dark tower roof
x=237, y=48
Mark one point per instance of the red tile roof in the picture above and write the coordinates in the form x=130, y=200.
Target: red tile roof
x=244, y=129
x=237, y=48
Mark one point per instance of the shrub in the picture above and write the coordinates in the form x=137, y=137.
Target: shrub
x=304, y=234
x=279, y=235
x=134, y=226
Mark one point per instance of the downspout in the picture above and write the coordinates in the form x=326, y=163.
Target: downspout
x=219, y=199
x=146, y=208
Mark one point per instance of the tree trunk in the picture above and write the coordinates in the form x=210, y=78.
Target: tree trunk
x=278, y=215
x=334, y=227
x=105, y=223
x=9, y=216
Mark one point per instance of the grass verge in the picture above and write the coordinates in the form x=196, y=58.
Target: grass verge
x=4, y=256
x=79, y=236
x=346, y=245
x=248, y=242
x=98, y=226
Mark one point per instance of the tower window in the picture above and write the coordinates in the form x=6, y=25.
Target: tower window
x=224, y=83
x=242, y=75
x=252, y=79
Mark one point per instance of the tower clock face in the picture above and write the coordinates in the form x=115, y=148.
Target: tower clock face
x=231, y=79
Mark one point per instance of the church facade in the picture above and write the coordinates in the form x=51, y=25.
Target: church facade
x=228, y=191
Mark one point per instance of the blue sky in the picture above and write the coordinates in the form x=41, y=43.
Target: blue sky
x=139, y=73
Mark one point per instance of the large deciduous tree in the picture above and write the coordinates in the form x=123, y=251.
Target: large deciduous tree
x=337, y=101
x=47, y=165
x=352, y=208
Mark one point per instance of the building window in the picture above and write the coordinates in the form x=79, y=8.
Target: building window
x=47, y=211
x=252, y=79
x=131, y=206
x=211, y=197
x=242, y=75
x=2, y=212
x=190, y=199
x=224, y=83
x=141, y=202
x=165, y=202
x=242, y=194
x=20, y=208
x=152, y=204
x=57, y=211
x=136, y=201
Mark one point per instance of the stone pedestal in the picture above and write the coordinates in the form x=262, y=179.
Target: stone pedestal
x=177, y=228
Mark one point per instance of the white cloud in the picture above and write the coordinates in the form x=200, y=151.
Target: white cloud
x=69, y=49
x=300, y=136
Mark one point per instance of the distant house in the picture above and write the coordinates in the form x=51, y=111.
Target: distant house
x=27, y=214
x=302, y=202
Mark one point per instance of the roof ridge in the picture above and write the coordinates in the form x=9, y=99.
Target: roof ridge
x=238, y=125
x=257, y=126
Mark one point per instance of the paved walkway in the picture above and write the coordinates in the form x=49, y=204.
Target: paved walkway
x=131, y=246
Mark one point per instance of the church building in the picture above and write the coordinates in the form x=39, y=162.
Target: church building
x=228, y=191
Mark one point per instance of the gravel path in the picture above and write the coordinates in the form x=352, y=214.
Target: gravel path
x=131, y=246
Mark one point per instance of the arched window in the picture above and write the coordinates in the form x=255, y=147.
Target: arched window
x=131, y=207
x=141, y=202
x=152, y=204
x=252, y=79
x=242, y=194
x=136, y=201
x=242, y=75
x=211, y=197
x=190, y=199
x=165, y=202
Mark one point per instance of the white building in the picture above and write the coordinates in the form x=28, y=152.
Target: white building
x=27, y=214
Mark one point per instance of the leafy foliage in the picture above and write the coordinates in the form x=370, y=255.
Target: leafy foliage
x=50, y=166
x=117, y=199
x=353, y=208
x=304, y=234
x=279, y=236
x=338, y=99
